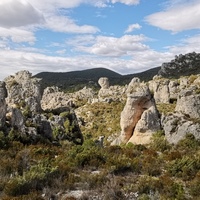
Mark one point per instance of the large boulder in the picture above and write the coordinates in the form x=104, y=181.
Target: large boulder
x=104, y=82
x=139, y=118
x=160, y=89
x=149, y=123
x=188, y=102
x=177, y=125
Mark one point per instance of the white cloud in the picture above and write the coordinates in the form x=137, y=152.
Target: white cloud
x=16, y=13
x=67, y=25
x=132, y=27
x=127, y=2
x=178, y=18
x=112, y=46
x=187, y=45
x=17, y=35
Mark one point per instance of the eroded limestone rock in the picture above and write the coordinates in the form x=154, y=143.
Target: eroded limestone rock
x=139, y=118
x=177, y=125
x=104, y=82
x=188, y=102
x=23, y=89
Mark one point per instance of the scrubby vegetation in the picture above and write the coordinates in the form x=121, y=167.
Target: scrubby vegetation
x=156, y=171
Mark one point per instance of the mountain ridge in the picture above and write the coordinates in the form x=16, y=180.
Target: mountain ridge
x=79, y=79
x=182, y=65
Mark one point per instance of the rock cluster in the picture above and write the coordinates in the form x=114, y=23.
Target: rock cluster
x=22, y=89
x=53, y=98
x=109, y=93
x=25, y=111
x=22, y=117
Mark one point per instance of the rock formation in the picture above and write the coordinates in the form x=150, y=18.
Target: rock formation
x=188, y=102
x=3, y=107
x=160, y=89
x=53, y=98
x=185, y=118
x=24, y=90
x=26, y=121
x=109, y=93
x=139, y=118
x=104, y=82
x=182, y=65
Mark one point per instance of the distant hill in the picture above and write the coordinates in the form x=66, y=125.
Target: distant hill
x=75, y=80
x=182, y=65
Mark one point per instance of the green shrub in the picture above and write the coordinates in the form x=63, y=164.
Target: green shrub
x=189, y=143
x=170, y=189
x=34, y=179
x=194, y=186
x=185, y=167
x=65, y=114
x=159, y=142
x=4, y=142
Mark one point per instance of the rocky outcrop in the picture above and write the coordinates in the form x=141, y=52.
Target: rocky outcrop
x=53, y=98
x=23, y=119
x=109, y=93
x=3, y=107
x=139, y=118
x=182, y=65
x=185, y=118
x=188, y=102
x=23, y=90
x=177, y=125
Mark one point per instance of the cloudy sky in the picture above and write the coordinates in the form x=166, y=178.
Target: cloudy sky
x=126, y=36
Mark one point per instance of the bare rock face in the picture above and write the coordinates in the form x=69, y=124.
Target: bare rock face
x=177, y=125
x=139, y=118
x=188, y=102
x=160, y=88
x=53, y=98
x=148, y=124
x=135, y=82
x=3, y=107
x=104, y=82
x=17, y=119
x=23, y=89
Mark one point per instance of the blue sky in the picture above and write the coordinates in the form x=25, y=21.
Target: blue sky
x=127, y=36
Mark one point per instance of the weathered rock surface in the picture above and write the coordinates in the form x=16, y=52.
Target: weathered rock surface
x=188, y=102
x=104, y=82
x=149, y=123
x=23, y=89
x=160, y=89
x=17, y=119
x=53, y=98
x=139, y=118
x=3, y=107
x=109, y=93
x=177, y=125
x=26, y=121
